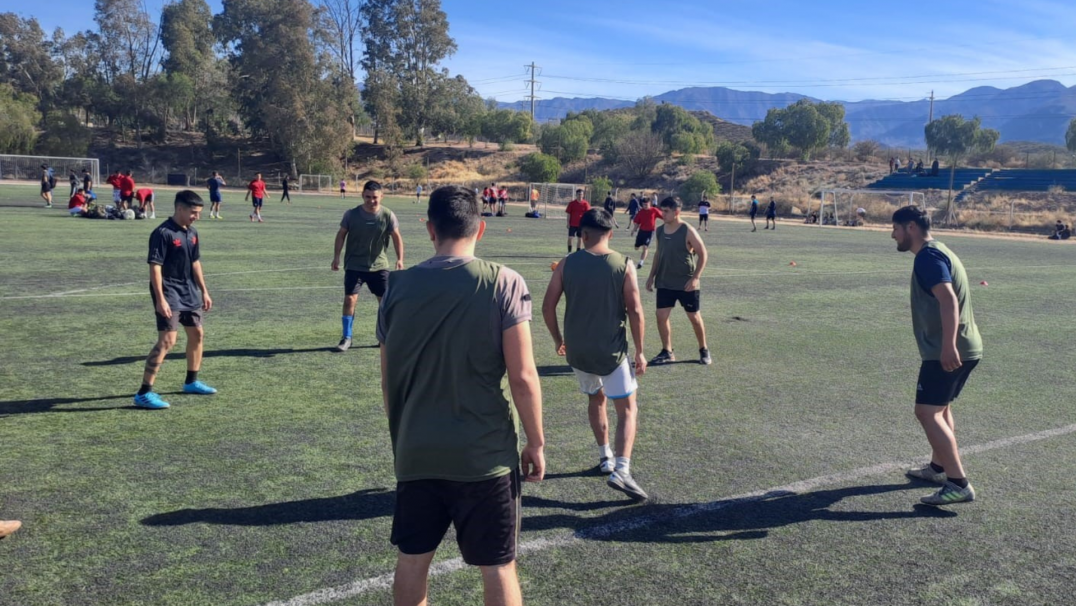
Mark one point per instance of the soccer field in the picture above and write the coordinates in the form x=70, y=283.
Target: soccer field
x=775, y=473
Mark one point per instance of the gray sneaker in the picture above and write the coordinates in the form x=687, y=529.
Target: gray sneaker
x=704, y=357
x=950, y=494
x=606, y=466
x=622, y=481
x=927, y=473
x=344, y=345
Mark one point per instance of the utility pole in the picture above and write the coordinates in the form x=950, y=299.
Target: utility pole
x=930, y=118
x=534, y=72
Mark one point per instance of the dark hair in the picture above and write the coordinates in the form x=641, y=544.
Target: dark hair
x=371, y=185
x=597, y=221
x=579, y=191
x=912, y=214
x=453, y=212
x=671, y=202
x=188, y=198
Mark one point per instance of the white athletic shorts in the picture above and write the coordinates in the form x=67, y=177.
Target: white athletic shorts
x=115, y=196
x=618, y=384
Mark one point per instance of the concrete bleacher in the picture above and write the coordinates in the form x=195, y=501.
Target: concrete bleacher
x=964, y=177
x=1028, y=180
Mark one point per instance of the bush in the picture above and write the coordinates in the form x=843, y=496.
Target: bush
x=540, y=168
x=416, y=172
x=699, y=183
x=601, y=187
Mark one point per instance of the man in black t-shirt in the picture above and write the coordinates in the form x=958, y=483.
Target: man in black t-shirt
x=179, y=294
x=285, y=184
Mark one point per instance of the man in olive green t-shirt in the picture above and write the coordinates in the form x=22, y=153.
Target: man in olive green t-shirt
x=364, y=237
x=677, y=267
x=949, y=345
x=458, y=376
x=603, y=294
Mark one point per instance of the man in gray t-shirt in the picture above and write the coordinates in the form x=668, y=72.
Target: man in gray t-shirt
x=364, y=235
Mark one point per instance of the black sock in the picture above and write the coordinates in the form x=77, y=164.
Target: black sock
x=937, y=468
x=961, y=482
x=192, y=376
x=145, y=389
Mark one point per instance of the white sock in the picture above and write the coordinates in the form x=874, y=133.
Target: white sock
x=605, y=452
x=623, y=464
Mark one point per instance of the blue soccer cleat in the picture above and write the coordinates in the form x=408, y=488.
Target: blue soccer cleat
x=150, y=400
x=198, y=388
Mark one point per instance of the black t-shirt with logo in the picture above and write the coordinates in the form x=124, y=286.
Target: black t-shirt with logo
x=176, y=249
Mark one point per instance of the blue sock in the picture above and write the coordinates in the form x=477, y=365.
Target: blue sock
x=348, y=322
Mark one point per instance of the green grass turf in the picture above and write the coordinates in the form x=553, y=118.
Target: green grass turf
x=282, y=483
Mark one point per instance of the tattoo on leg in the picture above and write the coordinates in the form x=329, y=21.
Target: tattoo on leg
x=153, y=361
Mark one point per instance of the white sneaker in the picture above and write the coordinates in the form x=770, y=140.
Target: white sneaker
x=607, y=465
x=153, y=215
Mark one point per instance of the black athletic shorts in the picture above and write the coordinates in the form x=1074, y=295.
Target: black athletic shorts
x=45, y=188
x=214, y=197
x=257, y=202
x=935, y=387
x=575, y=232
x=186, y=318
x=376, y=281
x=704, y=218
x=486, y=516
x=642, y=238
x=668, y=297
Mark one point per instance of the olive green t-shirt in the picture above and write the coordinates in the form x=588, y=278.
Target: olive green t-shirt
x=676, y=262
x=934, y=264
x=450, y=411
x=368, y=236
x=595, y=318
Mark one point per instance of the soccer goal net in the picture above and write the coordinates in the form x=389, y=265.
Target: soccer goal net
x=310, y=183
x=851, y=207
x=28, y=168
x=546, y=198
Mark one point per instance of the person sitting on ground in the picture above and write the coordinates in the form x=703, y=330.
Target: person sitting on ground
x=919, y=167
x=1066, y=233
x=812, y=218
x=77, y=202
x=1058, y=228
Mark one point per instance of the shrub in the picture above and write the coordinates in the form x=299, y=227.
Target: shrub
x=699, y=183
x=601, y=187
x=540, y=168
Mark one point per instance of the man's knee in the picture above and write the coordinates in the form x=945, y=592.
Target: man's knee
x=166, y=340
x=930, y=414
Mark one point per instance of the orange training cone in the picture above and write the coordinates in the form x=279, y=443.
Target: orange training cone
x=793, y=264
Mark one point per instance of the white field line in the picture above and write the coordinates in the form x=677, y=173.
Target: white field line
x=85, y=292
x=342, y=592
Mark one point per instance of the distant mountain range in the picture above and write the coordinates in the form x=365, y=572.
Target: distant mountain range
x=1037, y=111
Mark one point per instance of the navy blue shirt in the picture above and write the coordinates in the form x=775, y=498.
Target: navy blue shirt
x=932, y=267
x=176, y=249
x=771, y=210
x=633, y=206
x=213, y=183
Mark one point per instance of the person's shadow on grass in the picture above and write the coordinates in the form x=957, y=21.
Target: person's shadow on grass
x=19, y=407
x=360, y=505
x=733, y=519
x=220, y=353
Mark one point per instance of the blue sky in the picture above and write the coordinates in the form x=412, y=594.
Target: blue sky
x=835, y=49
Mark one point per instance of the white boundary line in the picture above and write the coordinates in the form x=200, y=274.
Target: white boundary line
x=342, y=592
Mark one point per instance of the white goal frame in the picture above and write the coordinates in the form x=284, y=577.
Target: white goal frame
x=836, y=199
x=28, y=168
x=320, y=182
x=553, y=195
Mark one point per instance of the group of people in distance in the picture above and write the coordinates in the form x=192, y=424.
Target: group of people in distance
x=256, y=189
x=494, y=200
x=452, y=327
x=913, y=166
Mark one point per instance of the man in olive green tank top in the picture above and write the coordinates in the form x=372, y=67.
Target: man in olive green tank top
x=950, y=347
x=603, y=295
x=677, y=267
x=458, y=376
x=364, y=236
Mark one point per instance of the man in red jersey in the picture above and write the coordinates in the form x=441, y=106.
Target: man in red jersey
x=127, y=188
x=256, y=191
x=576, y=209
x=114, y=181
x=144, y=196
x=647, y=221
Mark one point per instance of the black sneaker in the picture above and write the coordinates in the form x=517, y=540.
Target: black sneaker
x=345, y=344
x=622, y=481
x=664, y=357
x=704, y=357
